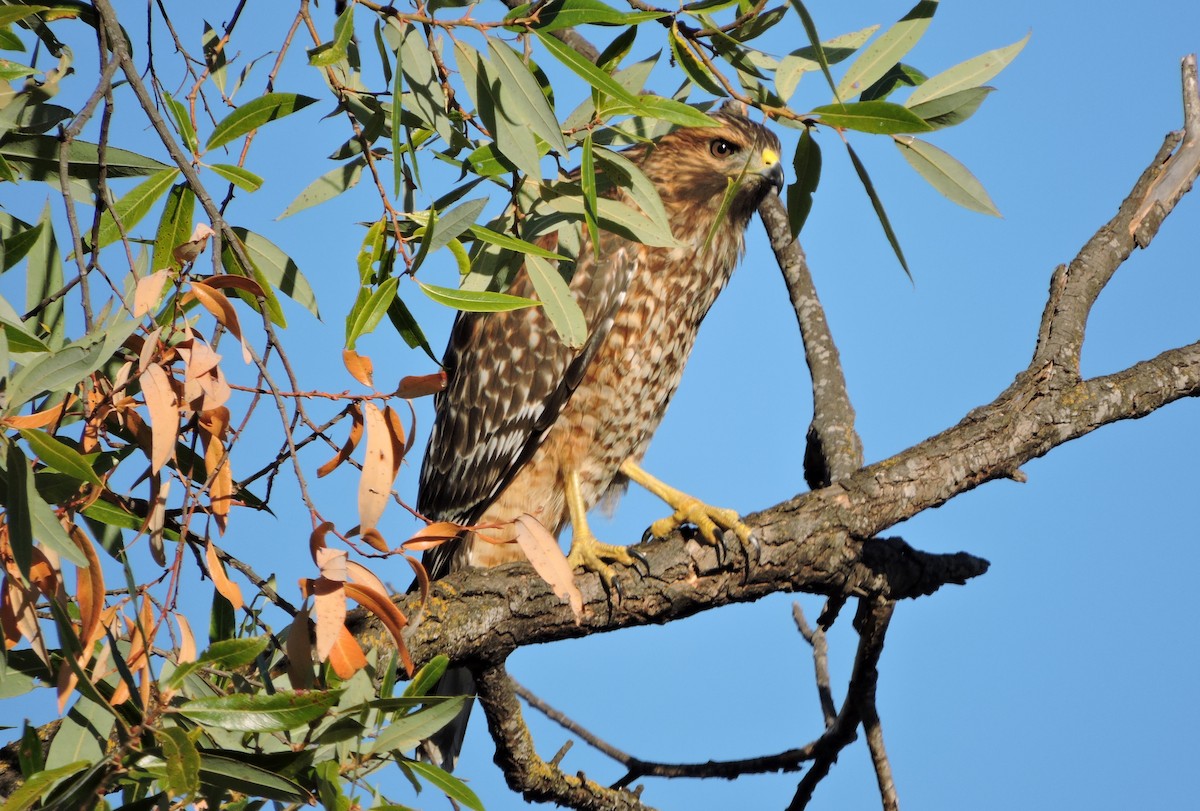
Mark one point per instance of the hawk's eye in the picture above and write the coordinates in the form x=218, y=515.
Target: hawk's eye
x=720, y=148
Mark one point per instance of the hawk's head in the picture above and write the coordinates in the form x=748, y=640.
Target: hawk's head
x=695, y=168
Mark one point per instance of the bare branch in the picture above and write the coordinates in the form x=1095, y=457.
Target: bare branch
x=815, y=637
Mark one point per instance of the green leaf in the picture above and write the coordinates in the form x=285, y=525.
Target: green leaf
x=182, y=761
x=20, y=520
x=406, y=732
x=19, y=244
x=334, y=51
x=882, y=54
x=59, y=456
x=402, y=319
x=10, y=70
x=515, y=77
x=56, y=372
x=676, y=112
x=242, y=178
x=278, y=712
x=484, y=234
x=497, y=106
x=327, y=186
x=814, y=40
x=10, y=14
x=36, y=786
x=365, y=317
x=253, y=114
x=29, y=752
x=397, y=108
x=214, y=59
x=135, y=205
x=807, y=167
x=184, y=122
x=558, y=301
x=583, y=68
x=877, y=204
x=36, y=157
x=453, y=223
x=696, y=70
x=277, y=269
x=235, y=774
x=475, y=301
x=622, y=172
x=559, y=14
x=587, y=182
x=427, y=677
x=428, y=99
x=972, y=73
x=21, y=341
x=621, y=219
x=879, y=117
x=227, y=654
x=174, y=226
x=947, y=175
x=43, y=279
x=899, y=75
x=450, y=785
x=952, y=108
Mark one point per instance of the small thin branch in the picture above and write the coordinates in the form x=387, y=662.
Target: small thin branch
x=815, y=637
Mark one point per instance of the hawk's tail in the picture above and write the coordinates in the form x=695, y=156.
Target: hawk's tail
x=442, y=748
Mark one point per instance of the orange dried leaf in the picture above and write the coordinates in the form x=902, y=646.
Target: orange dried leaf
x=89, y=591
x=396, y=430
x=213, y=425
x=376, y=540
x=375, y=484
x=226, y=587
x=329, y=611
x=164, y=415
x=222, y=310
x=149, y=292
x=548, y=560
x=356, y=429
x=42, y=418
x=242, y=283
x=359, y=367
x=316, y=541
x=387, y=612
x=421, y=385
x=300, y=651
x=332, y=563
x=187, y=641
x=362, y=576
x=431, y=535
x=346, y=658
x=8, y=617
x=422, y=577
x=148, y=349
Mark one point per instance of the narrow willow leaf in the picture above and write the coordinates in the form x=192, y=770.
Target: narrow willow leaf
x=675, y=112
x=214, y=57
x=882, y=54
x=807, y=167
x=57, y=372
x=43, y=279
x=972, y=73
x=877, y=204
x=559, y=14
x=396, y=125
x=59, y=456
x=253, y=114
x=476, y=301
x=952, y=108
x=622, y=219
x=242, y=178
x=427, y=677
x=420, y=74
x=19, y=478
x=184, y=122
x=327, y=186
x=235, y=774
x=558, y=301
x=455, y=222
x=174, y=226
x=277, y=269
x=278, y=712
x=365, y=318
x=514, y=141
x=587, y=182
x=227, y=654
x=406, y=732
x=804, y=60
x=404, y=322
x=36, y=157
x=814, y=40
x=899, y=75
x=514, y=75
x=38, y=785
x=624, y=173
x=695, y=70
x=584, y=69
x=334, y=51
x=879, y=117
x=134, y=205
x=18, y=244
x=10, y=14
x=947, y=175
x=484, y=234
x=450, y=785
x=182, y=761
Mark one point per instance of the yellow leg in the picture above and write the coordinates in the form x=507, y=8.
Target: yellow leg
x=586, y=551
x=688, y=510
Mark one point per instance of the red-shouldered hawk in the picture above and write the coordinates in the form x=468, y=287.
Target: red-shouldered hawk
x=527, y=424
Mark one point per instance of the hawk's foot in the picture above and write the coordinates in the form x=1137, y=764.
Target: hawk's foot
x=709, y=520
x=594, y=556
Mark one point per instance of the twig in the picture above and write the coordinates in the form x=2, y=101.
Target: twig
x=815, y=637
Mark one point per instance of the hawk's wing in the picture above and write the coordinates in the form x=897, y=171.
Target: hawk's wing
x=509, y=376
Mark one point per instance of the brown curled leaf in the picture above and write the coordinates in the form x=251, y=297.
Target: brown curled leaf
x=431, y=535
x=346, y=657
x=356, y=429
x=329, y=611
x=375, y=483
x=243, y=283
x=376, y=540
x=222, y=309
x=42, y=418
x=359, y=367
x=396, y=431
x=316, y=541
x=548, y=560
x=225, y=587
x=148, y=292
x=421, y=385
x=388, y=614
x=164, y=415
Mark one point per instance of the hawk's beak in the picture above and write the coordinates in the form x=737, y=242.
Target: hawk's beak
x=772, y=169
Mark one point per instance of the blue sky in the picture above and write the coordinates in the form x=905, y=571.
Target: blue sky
x=1063, y=677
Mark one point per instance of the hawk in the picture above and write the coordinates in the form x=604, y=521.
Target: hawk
x=529, y=425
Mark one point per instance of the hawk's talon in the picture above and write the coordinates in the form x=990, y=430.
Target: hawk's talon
x=591, y=555
x=640, y=558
